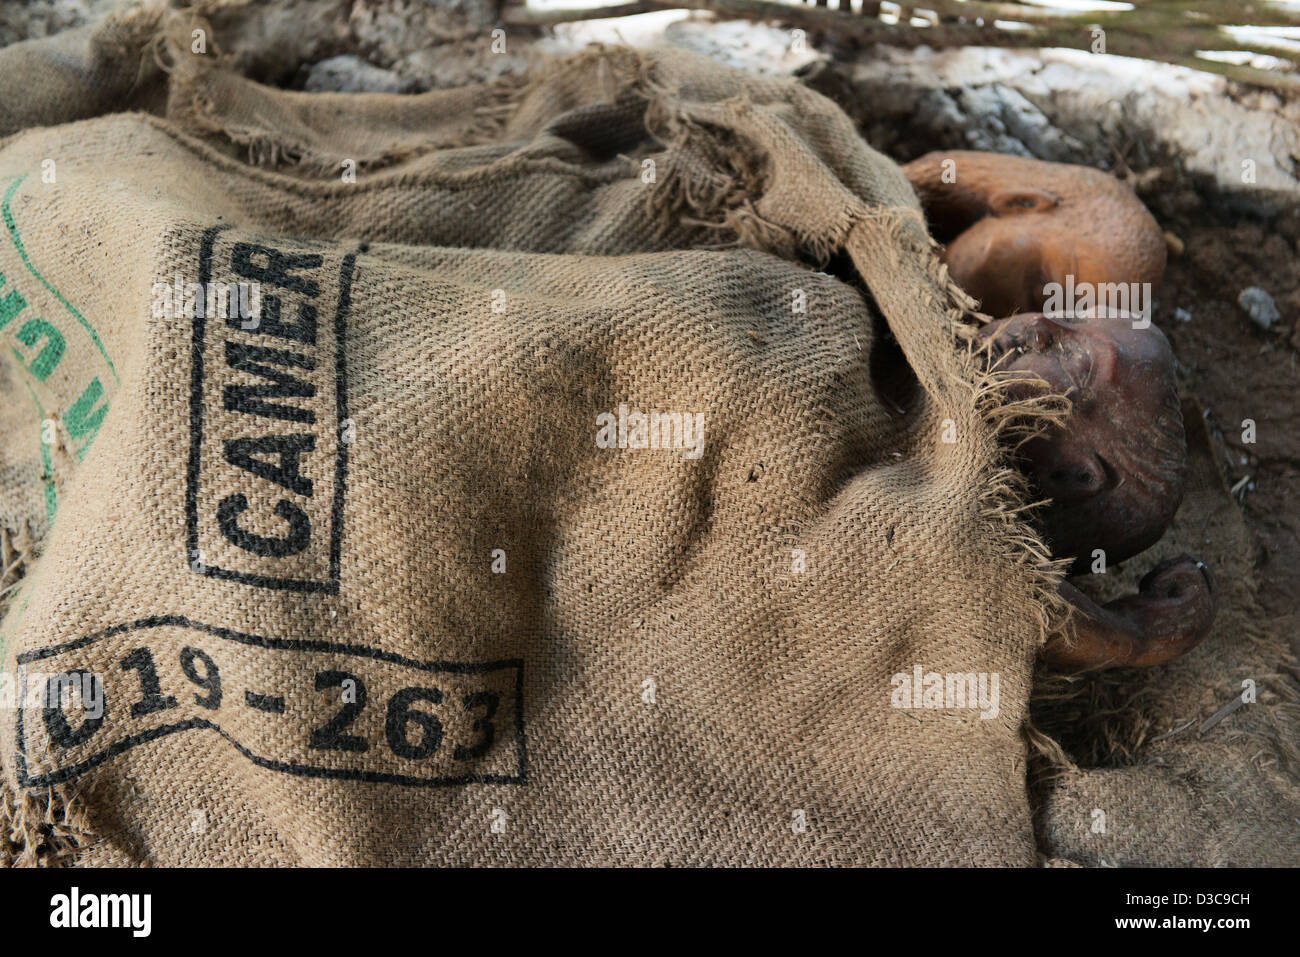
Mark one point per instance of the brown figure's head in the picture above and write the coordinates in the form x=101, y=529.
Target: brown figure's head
x=1116, y=468
x=1010, y=226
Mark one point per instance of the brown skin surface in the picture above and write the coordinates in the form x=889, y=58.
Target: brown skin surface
x=1012, y=225
x=1170, y=615
x=1108, y=491
x=1115, y=471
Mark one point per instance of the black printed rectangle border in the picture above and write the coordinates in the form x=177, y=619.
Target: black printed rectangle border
x=331, y=585
x=281, y=644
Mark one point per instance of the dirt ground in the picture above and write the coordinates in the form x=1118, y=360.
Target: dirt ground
x=1239, y=371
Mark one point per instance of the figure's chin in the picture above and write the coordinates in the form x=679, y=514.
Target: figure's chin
x=1078, y=551
x=1071, y=534
x=1062, y=541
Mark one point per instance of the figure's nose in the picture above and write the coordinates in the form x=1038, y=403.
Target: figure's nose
x=1073, y=481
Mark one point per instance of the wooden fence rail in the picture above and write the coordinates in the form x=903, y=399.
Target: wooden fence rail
x=1170, y=31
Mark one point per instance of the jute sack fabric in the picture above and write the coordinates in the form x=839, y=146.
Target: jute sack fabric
x=359, y=583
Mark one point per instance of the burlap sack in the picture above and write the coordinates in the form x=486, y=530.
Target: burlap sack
x=361, y=584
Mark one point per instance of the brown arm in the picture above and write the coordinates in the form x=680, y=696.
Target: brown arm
x=1171, y=613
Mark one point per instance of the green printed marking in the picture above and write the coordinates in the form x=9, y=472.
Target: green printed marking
x=83, y=417
x=34, y=331
x=12, y=304
x=7, y=213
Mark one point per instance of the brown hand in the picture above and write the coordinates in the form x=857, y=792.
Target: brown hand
x=1171, y=614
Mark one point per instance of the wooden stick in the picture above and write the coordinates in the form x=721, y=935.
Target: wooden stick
x=1222, y=713
x=1162, y=32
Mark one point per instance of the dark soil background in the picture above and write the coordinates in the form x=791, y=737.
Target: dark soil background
x=1239, y=371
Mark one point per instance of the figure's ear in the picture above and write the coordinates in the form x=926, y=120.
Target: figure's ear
x=1013, y=202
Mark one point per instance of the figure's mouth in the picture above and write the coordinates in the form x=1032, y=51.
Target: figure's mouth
x=1004, y=348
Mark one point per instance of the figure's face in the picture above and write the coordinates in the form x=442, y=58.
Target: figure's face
x=1110, y=486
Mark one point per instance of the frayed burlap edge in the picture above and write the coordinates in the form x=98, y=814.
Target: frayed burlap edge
x=1274, y=755
x=192, y=107
x=1006, y=499
x=46, y=828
